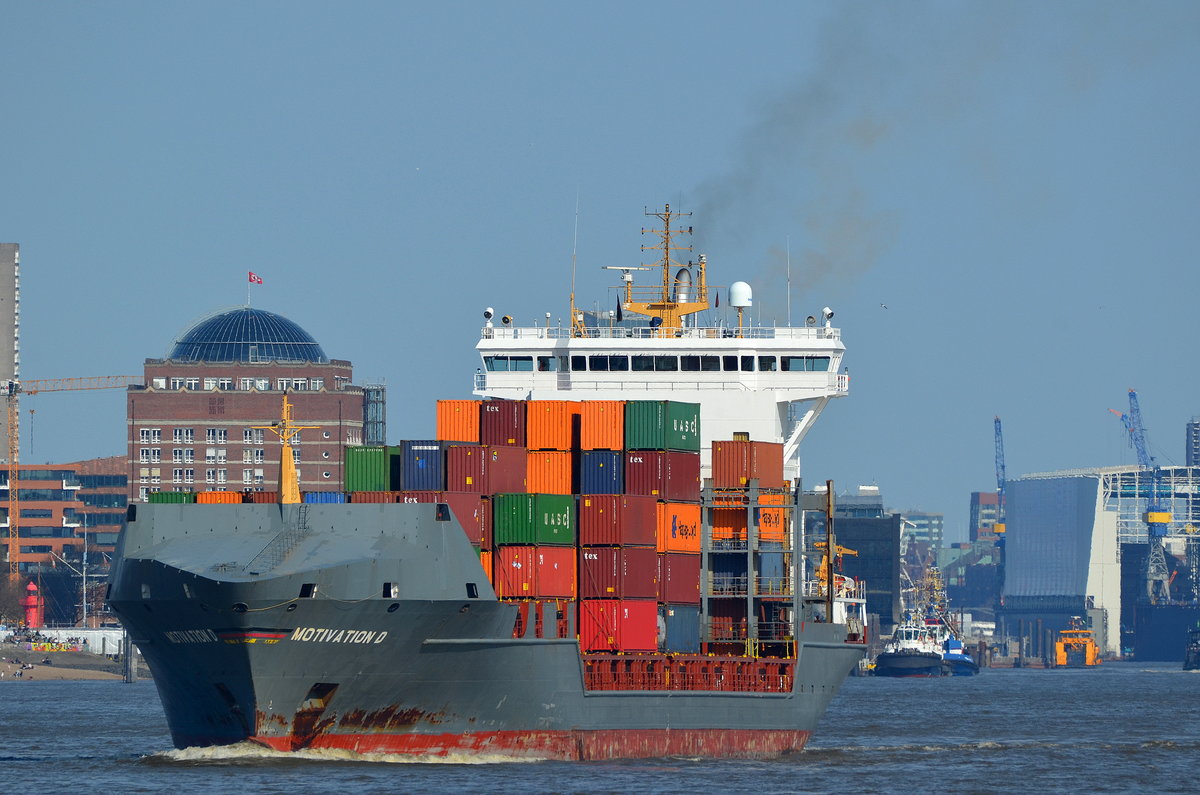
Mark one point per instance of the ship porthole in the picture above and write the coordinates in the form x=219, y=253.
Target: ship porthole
x=291, y=607
x=240, y=607
x=393, y=607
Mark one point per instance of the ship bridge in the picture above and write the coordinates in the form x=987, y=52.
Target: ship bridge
x=767, y=382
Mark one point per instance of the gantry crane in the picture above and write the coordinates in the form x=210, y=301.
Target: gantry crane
x=13, y=390
x=1158, y=579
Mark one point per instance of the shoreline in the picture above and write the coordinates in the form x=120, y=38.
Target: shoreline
x=65, y=666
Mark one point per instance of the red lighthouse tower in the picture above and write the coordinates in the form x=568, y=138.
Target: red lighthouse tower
x=33, y=605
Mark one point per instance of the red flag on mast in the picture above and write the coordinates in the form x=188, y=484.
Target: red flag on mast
x=255, y=278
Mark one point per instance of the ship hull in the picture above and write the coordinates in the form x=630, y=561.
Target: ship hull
x=910, y=664
x=373, y=644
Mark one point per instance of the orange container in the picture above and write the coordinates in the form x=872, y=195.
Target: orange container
x=678, y=527
x=602, y=425
x=458, y=420
x=772, y=524
x=219, y=497
x=550, y=425
x=729, y=524
x=485, y=560
x=549, y=472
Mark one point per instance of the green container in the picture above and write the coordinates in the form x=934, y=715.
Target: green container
x=531, y=519
x=174, y=497
x=367, y=469
x=662, y=425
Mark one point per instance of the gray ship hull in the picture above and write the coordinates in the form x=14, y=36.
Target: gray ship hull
x=373, y=628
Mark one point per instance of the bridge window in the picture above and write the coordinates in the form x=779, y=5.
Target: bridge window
x=689, y=364
x=666, y=364
x=643, y=364
x=598, y=364
x=810, y=364
x=766, y=364
x=500, y=364
x=547, y=364
x=729, y=363
x=710, y=364
x=578, y=364
x=618, y=363
x=747, y=364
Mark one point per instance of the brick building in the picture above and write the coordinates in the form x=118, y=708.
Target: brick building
x=191, y=426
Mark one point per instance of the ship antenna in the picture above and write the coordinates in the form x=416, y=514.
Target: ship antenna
x=789, y=278
x=576, y=320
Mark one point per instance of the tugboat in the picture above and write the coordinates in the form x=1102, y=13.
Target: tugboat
x=1191, y=655
x=1076, y=647
x=914, y=650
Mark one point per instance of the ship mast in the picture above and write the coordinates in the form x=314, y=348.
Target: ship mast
x=289, y=483
x=675, y=298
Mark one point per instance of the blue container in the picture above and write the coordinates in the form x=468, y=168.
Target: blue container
x=772, y=572
x=324, y=496
x=682, y=625
x=423, y=465
x=602, y=472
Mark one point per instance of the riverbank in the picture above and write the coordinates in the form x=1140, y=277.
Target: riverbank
x=64, y=666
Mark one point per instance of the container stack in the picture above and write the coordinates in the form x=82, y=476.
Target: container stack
x=750, y=559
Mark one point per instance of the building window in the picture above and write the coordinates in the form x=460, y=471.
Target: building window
x=177, y=383
x=155, y=475
x=210, y=476
x=176, y=475
x=143, y=493
x=177, y=455
x=210, y=384
x=216, y=435
x=245, y=384
x=155, y=455
x=144, y=455
x=282, y=384
x=144, y=475
x=253, y=436
x=225, y=384
x=258, y=476
x=318, y=384
x=247, y=476
x=193, y=384
x=183, y=435
x=150, y=435
x=296, y=454
x=260, y=456
x=262, y=384
x=189, y=456
x=222, y=475
x=159, y=383
x=300, y=384
x=189, y=476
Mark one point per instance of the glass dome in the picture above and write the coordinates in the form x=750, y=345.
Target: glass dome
x=245, y=334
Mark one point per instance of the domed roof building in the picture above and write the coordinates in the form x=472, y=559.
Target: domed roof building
x=197, y=424
x=245, y=334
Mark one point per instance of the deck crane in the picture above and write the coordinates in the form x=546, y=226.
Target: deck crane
x=13, y=390
x=1158, y=579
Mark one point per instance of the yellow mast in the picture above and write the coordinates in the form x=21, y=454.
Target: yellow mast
x=289, y=484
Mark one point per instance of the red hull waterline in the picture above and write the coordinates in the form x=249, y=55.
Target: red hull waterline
x=579, y=745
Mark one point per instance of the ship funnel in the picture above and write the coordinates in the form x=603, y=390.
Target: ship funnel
x=683, y=285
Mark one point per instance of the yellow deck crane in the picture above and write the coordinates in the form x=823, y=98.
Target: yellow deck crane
x=13, y=390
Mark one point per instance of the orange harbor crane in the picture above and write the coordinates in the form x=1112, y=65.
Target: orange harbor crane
x=13, y=391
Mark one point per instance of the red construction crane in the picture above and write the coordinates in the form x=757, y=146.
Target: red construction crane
x=13, y=391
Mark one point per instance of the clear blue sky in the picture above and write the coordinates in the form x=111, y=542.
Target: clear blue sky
x=1016, y=182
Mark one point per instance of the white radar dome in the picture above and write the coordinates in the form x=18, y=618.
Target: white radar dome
x=740, y=295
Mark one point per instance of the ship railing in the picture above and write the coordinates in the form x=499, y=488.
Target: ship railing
x=645, y=332
x=730, y=584
x=774, y=586
x=658, y=672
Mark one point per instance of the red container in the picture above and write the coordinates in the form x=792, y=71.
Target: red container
x=679, y=578
x=262, y=496
x=618, y=573
x=535, y=572
x=549, y=472
x=469, y=510
x=552, y=425
x=602, y=425
x=735, y=464
x=617, y=520
x=502, y=422
x=410, y=497
x=375, y=496
x=618, y=625
x=494, y=469
x=671, y=475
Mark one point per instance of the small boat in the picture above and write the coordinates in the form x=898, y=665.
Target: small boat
x=1076, y=646
x=955, y=656
x=914, y=650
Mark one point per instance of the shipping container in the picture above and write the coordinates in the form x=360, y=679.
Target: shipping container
x=667, y=475
x=552, y=425
x=374, y=496
x=679, y=578
x=727, y=619
x=367, y=469
x=535, y=572
x=174, y=497
x=485, y=561
x=323, y=497
x=617, y=520
x=469, y=510
x=601, y=472
x=729, y=524
x=678, y=527
x=773, y=574
x=550, y=472
x=531, y=519
x=415, y=497
x=602, y=425
x=662, y=425
x=502, y=422
x=772, y=522
x=490, y=469
x=682, y=628
x=423, y=465
x=260, y=496
x=618, y=573
x=735, y=464
x=458, y=420
x=218, y=497
x=618, y=625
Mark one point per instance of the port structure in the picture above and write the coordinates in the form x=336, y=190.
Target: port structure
x=13, y=389
x=1157, y=519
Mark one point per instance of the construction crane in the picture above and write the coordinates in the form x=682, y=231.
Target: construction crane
x=1001, y=480
x=1158, y=580
x=13, y=390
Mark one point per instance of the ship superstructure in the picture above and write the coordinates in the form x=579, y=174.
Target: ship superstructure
x=767, y=383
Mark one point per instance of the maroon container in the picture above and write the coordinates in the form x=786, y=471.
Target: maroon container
x=618, y=573
x=491, y=469
x=617, y=520
x=469, y=510
x=679, y=578
x=375, y=496
x=735, y=464
x=502, y=422
x=409, y=497
x=262, y=496
x=671, y=476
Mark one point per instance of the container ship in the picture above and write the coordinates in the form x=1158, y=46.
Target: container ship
x=598, y=557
